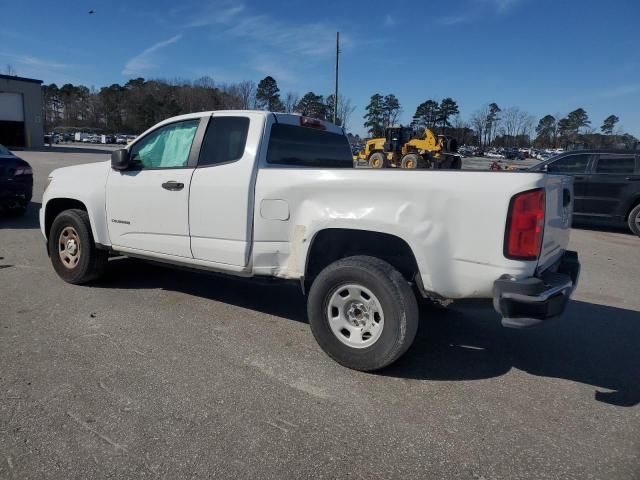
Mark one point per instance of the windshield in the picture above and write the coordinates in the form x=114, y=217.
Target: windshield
x=5, y=151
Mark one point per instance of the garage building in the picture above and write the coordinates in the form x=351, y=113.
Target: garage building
x=21, y=112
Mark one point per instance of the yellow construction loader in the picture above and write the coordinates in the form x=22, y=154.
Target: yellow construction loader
x=402, y=148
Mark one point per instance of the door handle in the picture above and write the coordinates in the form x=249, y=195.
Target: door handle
x=579, y=177
x=172, y=185
x=633, y=179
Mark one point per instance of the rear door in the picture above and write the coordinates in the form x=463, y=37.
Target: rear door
x=222, y=188
x=578, y=166
x=615, y=175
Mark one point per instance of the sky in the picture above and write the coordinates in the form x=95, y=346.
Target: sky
x=543, y=56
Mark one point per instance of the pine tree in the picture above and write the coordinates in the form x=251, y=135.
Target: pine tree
x=609, y=124
x=312, y=105
x=374, y=118
x=448, y=108
x=426, y=115
x=268, y=95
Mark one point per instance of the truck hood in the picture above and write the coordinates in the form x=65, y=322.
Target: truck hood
x=85, y=172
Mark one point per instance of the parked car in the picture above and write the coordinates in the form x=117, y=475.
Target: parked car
x=276, y=195
x=606, y=184
x=16, y=182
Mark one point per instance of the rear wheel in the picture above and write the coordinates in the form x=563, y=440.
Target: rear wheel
x=634, y=220
x=411, y=161
x=362, y=312
x=378, y=160
x=73, y=252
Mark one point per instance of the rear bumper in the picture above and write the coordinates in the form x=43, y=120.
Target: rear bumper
x=530, y=301
x=14, y=193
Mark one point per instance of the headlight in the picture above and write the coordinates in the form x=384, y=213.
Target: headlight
x=48, y=182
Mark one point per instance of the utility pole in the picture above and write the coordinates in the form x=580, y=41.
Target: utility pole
x=335, y=96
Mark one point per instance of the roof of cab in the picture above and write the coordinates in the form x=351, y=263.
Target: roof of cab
x=288, y=118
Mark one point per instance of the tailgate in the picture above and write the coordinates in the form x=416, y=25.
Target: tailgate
x=558, y=212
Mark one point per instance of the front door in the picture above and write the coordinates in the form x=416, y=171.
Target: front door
x=148, y=204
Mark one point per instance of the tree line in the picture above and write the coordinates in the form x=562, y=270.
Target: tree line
x=139, y=103
x=493, y=126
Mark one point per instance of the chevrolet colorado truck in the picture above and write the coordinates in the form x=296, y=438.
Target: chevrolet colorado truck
x=269, y=194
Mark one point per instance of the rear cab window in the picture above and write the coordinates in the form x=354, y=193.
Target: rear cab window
x=616, y=164
x=225, y=141
x=301, y=146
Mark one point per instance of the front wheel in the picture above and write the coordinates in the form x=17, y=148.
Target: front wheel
x=378, y=160
x=634, y=220
x=362, y=312
x=74, y=255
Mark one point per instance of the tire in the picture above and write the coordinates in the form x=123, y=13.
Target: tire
x=456, y=163
x=391, y=305
x=634, y=220
x=411, y=161
x=73, y=252
x=378, y=160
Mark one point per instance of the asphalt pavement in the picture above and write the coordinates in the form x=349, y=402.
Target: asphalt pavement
x=160, y=373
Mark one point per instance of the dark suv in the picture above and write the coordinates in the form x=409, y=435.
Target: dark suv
x=607, y=184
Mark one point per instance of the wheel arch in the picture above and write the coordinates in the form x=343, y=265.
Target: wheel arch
x=331, y=244
x=633, y=203
x=56, y=206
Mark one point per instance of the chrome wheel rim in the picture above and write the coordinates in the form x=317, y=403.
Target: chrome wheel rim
x=69, y=249
x=355, y=315
x=638, y=221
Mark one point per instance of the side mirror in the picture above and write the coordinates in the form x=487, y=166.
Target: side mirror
x=120, y=159
x=545, y=168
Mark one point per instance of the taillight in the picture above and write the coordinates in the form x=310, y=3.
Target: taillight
x=525, y=225
x=22, y=171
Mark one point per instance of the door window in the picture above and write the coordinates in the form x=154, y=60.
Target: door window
x=224, y=141
x=570, y=164
x=166, y=147
x=616, y=164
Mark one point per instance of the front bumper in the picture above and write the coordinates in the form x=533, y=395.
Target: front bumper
x=530, y=301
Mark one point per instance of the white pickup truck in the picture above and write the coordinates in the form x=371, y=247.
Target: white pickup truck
x=268, y=194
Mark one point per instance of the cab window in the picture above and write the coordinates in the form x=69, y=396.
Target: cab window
x=224, y=141
x=290, y=145
x=570, y=164
x=166, y=147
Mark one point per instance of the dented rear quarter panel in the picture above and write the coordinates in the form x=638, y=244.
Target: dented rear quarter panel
x=454, y=221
